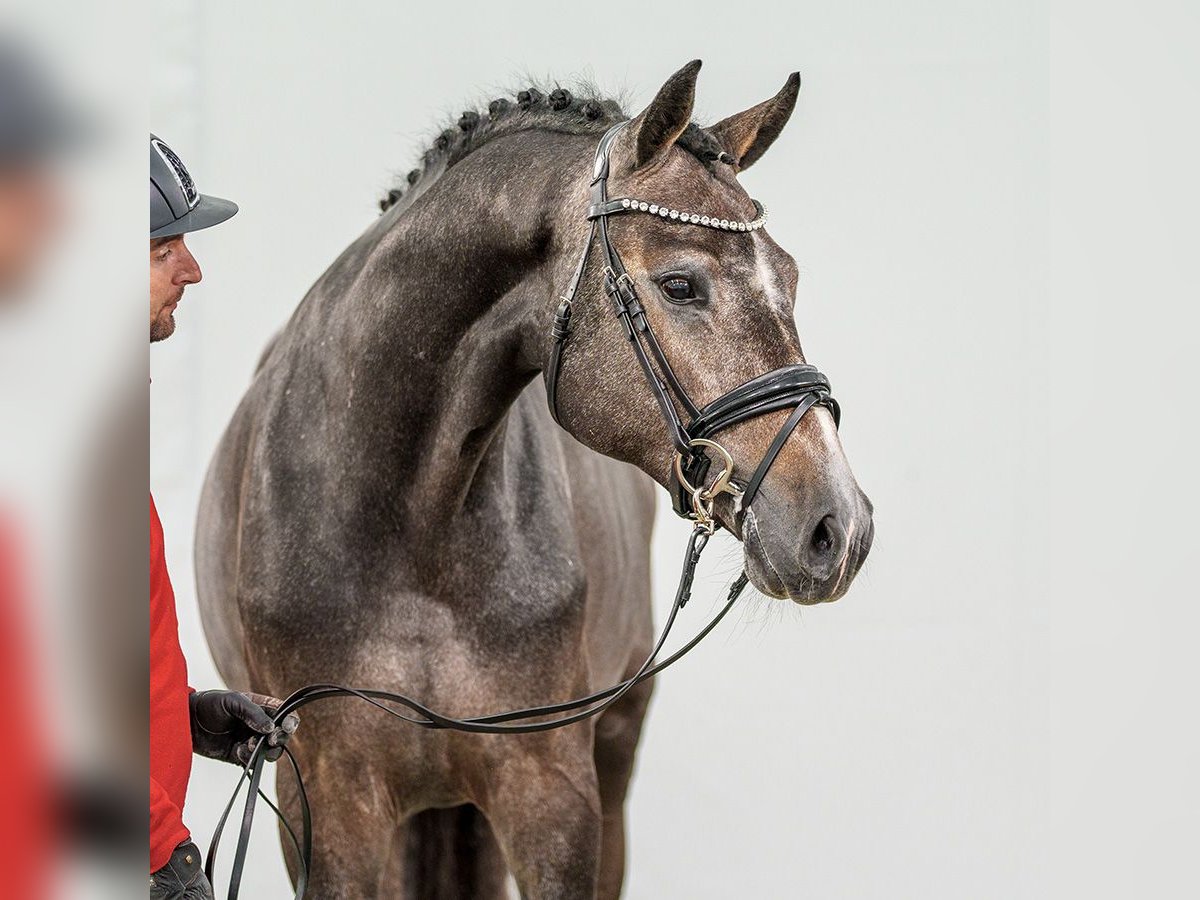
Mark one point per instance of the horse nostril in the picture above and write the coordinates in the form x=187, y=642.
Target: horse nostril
x=824, y=537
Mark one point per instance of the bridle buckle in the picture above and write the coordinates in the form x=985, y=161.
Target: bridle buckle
x=702, y=512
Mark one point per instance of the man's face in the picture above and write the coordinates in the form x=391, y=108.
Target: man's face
x=172, y=268
x=30, y=213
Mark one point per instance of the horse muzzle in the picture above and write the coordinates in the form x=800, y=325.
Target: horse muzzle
x=815, y=563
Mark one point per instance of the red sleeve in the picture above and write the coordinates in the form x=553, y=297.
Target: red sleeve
x=27, y=830
x=167, y=830
x=170, y=722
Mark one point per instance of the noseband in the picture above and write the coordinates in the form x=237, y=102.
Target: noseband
x=799, y=387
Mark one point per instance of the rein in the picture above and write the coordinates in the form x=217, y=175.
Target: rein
x=517, y=721
x=799, y=386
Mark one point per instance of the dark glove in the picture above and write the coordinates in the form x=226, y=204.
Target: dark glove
x=227, y=725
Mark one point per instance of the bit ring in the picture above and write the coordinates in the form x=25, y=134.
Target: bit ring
x=722, y=483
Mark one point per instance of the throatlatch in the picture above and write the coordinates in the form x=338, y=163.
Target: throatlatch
x=799, y=386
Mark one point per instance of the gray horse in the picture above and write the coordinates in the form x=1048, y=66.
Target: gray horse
x=393, y=506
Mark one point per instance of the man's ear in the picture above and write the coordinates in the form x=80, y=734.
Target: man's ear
x=656, y=128
x=747, y=135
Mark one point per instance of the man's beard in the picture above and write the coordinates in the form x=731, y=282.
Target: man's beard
x=162, y=328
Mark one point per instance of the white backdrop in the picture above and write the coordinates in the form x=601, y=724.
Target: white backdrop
x=987, y=211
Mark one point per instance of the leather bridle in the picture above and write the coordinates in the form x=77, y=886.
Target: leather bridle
x=798, y=386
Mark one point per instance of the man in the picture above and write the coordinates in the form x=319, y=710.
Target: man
x=224, y=725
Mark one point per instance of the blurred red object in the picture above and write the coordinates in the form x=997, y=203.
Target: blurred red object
x=27, y=800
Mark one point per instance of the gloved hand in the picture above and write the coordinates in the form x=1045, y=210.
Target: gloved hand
x=227, y=725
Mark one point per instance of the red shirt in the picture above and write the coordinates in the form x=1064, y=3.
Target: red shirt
x=170, y=721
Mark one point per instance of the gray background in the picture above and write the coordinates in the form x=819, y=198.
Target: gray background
x=992, y=207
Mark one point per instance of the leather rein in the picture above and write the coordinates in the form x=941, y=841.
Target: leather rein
x=798, y=386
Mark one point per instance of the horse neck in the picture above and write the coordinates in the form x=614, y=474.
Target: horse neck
x=445, y=317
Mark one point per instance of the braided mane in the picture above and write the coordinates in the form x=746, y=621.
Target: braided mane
x=556, y=109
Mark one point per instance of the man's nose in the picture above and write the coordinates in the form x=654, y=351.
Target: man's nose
x=190, y=269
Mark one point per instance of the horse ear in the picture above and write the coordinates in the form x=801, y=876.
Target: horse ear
x=747, y=135
x=668, y=114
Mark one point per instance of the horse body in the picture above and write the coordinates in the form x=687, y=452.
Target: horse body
x=393, y=506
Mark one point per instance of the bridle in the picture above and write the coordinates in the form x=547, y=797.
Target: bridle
x=799, y=386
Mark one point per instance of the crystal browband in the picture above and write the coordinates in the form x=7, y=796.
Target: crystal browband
x=629, y=204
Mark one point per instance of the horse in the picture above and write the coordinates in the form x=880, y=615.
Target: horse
x=393, y=503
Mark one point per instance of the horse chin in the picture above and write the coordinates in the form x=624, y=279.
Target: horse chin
x=764, y=577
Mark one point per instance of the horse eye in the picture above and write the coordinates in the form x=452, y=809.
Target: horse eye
x=677, y=289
